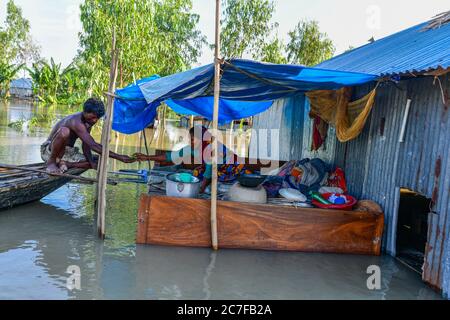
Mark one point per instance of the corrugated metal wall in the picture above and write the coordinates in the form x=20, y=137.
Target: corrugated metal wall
x=377, y=165
x=286, y=115
x=291, y=117
x=327, y=151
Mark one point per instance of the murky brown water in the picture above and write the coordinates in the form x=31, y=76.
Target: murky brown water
x=39, y=241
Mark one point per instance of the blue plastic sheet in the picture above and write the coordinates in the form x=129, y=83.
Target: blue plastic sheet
x=132, y=113
x=229, y=110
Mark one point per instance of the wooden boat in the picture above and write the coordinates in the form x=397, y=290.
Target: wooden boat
x=19, y=187
x=166, y=220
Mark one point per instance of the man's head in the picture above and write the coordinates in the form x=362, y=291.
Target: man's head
x=93, y=109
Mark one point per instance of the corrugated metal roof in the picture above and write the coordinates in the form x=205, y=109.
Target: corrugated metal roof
x=410, y=50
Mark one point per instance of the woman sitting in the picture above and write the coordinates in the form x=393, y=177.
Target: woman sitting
x=197, y=155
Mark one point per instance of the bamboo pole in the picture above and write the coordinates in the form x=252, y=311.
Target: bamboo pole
x=106, y=136
x=146, y=148
x=214, y=240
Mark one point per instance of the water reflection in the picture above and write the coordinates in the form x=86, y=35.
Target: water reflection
x=39, y=241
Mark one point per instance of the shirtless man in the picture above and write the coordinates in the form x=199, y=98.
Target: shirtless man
x=59, y=151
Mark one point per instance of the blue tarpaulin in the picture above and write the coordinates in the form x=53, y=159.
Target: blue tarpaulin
x=229, y=110
x=246, y=89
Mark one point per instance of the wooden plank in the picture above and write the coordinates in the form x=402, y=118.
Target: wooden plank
x=185, y=222
x=378, y=234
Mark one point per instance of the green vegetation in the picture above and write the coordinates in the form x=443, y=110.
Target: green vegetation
x=51, y=84
x=17, y=46
x=153, y=37
x=307, y=45
x=8, y=73
x=273, y=52
x=245, y=26
x=248, y=30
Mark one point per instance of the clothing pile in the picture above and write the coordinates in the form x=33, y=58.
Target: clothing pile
x=306, y=175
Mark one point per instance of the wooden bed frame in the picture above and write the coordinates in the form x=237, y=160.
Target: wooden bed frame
x=166, y=220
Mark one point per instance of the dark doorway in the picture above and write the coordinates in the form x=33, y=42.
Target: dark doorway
x=412, y=228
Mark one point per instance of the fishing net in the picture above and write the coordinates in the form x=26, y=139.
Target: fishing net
x=334, y=107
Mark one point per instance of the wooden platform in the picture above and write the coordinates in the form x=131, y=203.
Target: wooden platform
x=166, y=220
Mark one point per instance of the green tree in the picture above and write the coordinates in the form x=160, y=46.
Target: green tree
x=245, y=27
x=153, y=37
x=307, y=45
x=273, y=52
x=17, y=43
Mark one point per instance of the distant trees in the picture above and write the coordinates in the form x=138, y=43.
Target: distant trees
x=17, y=47
x=273, y=52
x=307, y=45
x=17, y=44
x=248, y=30
x=162, y=37
x=153, y=37
x=245, y=26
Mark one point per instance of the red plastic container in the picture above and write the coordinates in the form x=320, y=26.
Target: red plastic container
x=348, y=206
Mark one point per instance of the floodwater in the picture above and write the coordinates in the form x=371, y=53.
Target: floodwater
x=41, y=241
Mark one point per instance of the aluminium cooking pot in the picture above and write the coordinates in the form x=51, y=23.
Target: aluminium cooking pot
x=182, y=185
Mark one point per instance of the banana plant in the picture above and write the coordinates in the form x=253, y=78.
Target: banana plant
x=48, y=78
x=36, y=73
x=7, y=73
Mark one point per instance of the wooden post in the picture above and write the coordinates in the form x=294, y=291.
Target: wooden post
x=106, y=135
x=214, y=240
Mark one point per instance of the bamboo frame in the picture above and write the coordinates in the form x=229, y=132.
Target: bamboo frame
x=106, y=136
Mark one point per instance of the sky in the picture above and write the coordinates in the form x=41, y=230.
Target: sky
x=55, y=23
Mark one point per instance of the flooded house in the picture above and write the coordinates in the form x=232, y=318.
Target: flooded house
x=401, y=157
x=21, y=88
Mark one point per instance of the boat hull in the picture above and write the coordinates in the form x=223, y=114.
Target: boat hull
x=30, y=187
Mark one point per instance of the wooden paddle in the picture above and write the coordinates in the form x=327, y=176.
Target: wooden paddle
x=64, y=175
